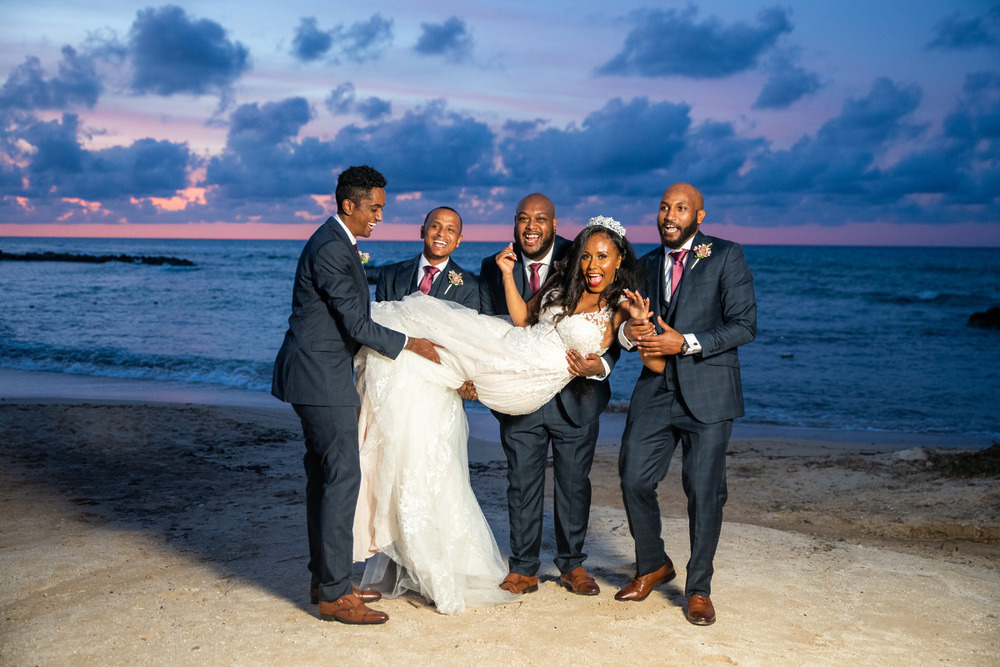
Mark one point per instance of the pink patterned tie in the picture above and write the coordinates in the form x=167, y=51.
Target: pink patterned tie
x=429, y=273
x=535, y=282
x=677, y=270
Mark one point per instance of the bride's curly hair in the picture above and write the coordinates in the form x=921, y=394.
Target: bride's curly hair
x=568, y=284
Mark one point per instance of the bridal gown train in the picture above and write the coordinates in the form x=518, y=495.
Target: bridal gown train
x=416, y=504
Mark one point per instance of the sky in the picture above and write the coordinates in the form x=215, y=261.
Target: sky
x=850, y=123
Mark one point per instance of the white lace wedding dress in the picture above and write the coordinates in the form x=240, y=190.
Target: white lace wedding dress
x=416, y=504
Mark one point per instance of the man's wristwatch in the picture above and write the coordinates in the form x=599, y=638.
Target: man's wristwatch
x=684, y=348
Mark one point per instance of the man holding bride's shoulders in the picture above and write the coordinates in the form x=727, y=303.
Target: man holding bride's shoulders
x=314, y=371
x=701, y=297
x=432, y=272
x=569, y=422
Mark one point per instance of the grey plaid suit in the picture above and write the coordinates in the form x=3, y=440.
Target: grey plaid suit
x=693, y=402
x=400, y=279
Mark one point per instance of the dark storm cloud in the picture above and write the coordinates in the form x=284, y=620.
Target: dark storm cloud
x=373, y=108
x=342, y=101
x=310, y=42
x=838, y=164
x=673, y=43
x=58, y=166
x=787, y=84
x=426, y=149
x=173, y=53
x=450, y=39
x=955, y=33
x=76, y=83
x=358, y=43
x=268, y=124
x=618, y=141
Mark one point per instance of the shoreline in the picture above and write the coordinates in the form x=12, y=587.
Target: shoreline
x=20, y=386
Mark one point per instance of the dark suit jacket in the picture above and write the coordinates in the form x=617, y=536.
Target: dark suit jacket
x=582, y=399
x=400, y=279
x=715, y=302
x=330, y=321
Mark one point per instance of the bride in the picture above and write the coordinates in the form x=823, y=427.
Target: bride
x=416, y=505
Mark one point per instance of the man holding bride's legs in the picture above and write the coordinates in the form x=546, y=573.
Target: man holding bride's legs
x=314, y=371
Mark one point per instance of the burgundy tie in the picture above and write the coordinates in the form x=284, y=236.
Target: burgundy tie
x=535, y=282
x=429, y=273
x=677, y=270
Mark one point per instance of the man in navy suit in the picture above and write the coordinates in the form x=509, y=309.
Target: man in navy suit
x=701, y=291
x=314, y=371
x=433, y=270
x=569, y=422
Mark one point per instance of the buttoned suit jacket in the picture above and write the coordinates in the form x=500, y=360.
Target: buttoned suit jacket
x=714, y=301
x=396, y=281
x=330, y=321
x=583, y=399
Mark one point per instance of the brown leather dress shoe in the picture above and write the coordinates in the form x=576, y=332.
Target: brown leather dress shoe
x=350, y=609
x=700, y=610
x=640, y=587
x=517, y=584
x=366, y=596
x=579, y=582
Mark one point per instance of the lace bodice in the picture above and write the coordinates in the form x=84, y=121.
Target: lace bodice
x=583, y=332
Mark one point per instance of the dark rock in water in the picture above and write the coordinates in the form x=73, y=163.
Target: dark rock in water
x=988, y=320
x=49, y=256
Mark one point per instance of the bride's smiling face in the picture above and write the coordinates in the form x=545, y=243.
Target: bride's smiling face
x=599, y=262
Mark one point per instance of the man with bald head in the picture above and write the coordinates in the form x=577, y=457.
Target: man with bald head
x=689, y=392
x=569, y=422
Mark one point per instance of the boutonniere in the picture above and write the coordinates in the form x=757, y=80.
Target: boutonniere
x=454, y=278
x=364, y=257
x=702, y=251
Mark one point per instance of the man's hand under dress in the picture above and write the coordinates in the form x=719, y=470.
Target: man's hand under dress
x=468, y=391
x=584, y=366
x=424, y=348
x=668, y=342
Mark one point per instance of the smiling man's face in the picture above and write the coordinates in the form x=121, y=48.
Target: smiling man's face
x=535, y=225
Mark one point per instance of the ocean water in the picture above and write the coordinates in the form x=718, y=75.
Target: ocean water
x=848, y=338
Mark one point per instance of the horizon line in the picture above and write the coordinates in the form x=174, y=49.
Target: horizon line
x=849, y=234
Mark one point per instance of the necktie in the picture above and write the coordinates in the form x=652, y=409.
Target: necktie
x=535, y=281
x=677, y=270
x=429, y=273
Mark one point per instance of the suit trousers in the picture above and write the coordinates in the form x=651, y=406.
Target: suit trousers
x=648, y=443
x=333, y=480
x=525, y=440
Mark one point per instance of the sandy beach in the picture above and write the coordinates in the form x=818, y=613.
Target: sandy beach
x=145, y=523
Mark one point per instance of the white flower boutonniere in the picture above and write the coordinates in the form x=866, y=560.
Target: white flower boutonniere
x=702, y=251
x=364, y=257
x=454, y=278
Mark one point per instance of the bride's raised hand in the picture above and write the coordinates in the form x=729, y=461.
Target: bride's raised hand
x=506, y=259
x=637, y=307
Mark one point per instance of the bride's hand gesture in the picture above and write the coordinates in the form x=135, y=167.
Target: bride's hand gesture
x=639, y=315
x=506, y=259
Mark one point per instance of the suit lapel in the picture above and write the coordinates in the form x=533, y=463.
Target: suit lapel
x=682, y=289
x=407, y=279
x=358, y=269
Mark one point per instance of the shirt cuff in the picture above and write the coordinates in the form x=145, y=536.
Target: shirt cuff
x=622, y=340
x=694, y=347
x=604, y=375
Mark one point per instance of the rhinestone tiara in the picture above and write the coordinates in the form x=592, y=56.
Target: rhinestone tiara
x=610, y=223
